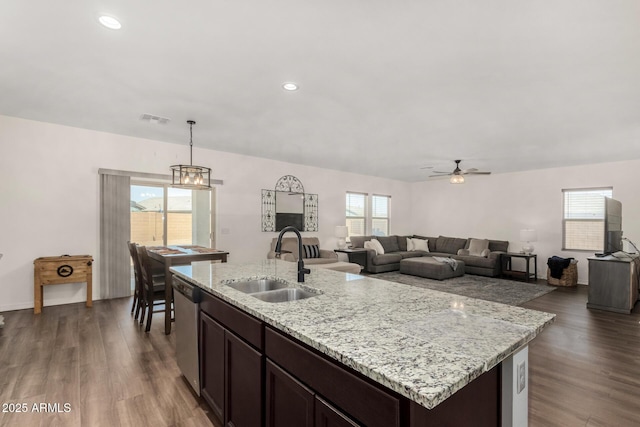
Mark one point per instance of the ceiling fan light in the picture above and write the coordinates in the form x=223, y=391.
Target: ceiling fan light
x=456, y=179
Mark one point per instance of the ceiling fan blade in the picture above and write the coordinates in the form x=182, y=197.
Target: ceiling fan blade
x=448, y=173
x=440, y=176
x=478, y=173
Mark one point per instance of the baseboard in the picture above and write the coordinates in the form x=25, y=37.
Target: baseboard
x=47, y=303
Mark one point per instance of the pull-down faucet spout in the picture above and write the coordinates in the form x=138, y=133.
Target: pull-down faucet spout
x=301, y=270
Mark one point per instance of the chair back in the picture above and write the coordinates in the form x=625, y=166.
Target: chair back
x=146, y=272
x=137, y=270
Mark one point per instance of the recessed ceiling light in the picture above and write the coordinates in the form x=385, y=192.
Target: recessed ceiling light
x=110, y=22
x=289, y=86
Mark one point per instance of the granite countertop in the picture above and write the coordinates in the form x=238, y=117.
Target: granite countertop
x=423, y=344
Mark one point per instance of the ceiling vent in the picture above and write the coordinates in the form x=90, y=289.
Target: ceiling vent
x=154, y=119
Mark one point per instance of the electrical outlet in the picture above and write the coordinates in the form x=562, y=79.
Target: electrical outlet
x=522, y=376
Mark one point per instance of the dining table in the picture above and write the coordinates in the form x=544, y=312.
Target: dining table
x=180, y=255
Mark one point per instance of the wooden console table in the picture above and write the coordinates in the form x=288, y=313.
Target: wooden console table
x=57, y=270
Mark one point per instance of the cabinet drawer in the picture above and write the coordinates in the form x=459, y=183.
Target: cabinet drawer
x=247, y=327
x=363, y=401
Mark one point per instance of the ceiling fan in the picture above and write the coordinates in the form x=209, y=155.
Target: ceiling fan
x=457, y=174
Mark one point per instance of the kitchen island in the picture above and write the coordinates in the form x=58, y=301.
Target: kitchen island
x=403, y=349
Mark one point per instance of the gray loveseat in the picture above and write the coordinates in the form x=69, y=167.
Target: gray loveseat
x=395, y=249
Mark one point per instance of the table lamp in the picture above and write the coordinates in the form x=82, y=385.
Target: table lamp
x=528, y=235
x=341, y=232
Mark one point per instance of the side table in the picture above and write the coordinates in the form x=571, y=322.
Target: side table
x=357, y=256
x=507, y=271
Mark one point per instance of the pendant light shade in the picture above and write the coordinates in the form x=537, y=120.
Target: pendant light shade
x=189, y=176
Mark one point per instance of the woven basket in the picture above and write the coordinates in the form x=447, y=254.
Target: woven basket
x=569, y=276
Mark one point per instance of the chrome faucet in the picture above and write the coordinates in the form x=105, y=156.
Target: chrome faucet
x=301, y=270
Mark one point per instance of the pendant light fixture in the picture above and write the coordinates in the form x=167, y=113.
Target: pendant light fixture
x=189, y=176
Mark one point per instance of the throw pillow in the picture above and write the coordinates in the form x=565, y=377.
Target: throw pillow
x=369, y=245
x=389, y=243
x=375, y=245
x=410, y=244
x=420, y=245
x=311, y=251
x=476, y=246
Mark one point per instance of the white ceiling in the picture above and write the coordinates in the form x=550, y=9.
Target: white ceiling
x=386, y=87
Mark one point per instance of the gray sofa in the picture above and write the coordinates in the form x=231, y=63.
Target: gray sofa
x=395, y=250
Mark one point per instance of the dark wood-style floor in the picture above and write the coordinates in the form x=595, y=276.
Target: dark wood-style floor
x=98, y=360
x=584, y=369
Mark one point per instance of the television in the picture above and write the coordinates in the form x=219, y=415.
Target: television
x=285, y=219
x=612, y=226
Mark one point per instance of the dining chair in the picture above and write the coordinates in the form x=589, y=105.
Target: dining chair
x=153, y=287
x=137, y=272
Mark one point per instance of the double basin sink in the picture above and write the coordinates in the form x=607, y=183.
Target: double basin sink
x=270, y=290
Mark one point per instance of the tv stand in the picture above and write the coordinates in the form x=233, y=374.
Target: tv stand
x=613, y=283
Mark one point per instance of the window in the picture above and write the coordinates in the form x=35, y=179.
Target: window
x=583, y=218
x=162, y=215
x=380, y=215
x=356, y=213
x=362, y=220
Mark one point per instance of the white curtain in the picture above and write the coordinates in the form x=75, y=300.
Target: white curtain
x=115, y=231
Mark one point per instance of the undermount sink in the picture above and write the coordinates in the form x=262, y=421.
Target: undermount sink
x=284, y=295
x=260, y=285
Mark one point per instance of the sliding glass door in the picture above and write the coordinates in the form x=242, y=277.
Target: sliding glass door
x=161, y=216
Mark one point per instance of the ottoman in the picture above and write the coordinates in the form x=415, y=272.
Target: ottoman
x=428, y=267
x=345, y=267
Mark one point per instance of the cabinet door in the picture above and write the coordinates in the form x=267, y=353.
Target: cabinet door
x=243, y=383
x=289, y=402
x=212, y=363
x=328, y=416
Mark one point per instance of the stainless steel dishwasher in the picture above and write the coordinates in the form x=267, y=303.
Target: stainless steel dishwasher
x=186, y=301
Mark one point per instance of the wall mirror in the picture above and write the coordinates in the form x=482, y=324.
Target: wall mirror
x=288, y=204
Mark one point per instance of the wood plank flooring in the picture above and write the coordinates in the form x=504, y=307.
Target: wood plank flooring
x=584, y=369
x=100, y=362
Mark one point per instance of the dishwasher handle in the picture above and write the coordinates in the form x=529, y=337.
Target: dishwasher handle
x=191, y=292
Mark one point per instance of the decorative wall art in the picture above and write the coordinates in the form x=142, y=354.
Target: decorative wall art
x=288, y=204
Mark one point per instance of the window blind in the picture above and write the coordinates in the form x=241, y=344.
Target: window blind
x=583, y=218
x=380, y=215
x=355, y=213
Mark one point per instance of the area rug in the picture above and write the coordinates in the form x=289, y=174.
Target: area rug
x=487, y=288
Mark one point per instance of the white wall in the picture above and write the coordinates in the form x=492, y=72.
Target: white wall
x=49, y=188
x=498, y=206
x=49, y=201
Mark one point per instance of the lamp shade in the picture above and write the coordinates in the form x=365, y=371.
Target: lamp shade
x=341, y=231
x=528, y=235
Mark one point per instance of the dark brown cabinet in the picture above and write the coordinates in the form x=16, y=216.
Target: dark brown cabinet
x=328, y=416
x=289, y=402
x=243, y=383
x=212, y=364
x=231, y=369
